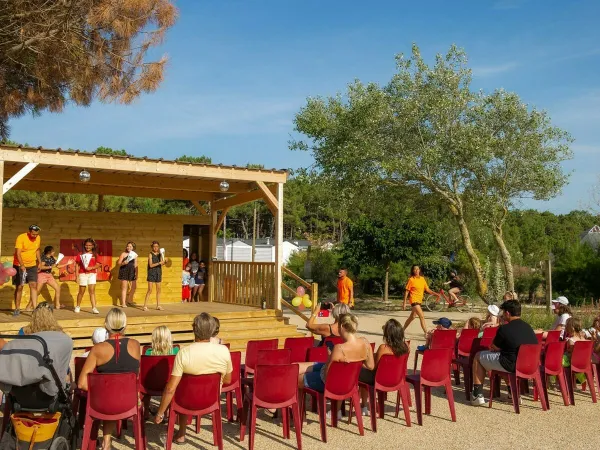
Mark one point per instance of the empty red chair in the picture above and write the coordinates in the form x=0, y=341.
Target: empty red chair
x=553, y=367
x=252, y=349
x=274, y=357
x=234, y=387
x=196, y=396
x=552, y=336
x=435, y=371
x=112, y=397
x=154, y=374
x=463, y=349
x=581, y=362
x=489, y=333
x=317, y=354
x=299, y=347
x=528, y=368
x=341, y=384
x=389, y=377
x=276, y=387
x=439, y=339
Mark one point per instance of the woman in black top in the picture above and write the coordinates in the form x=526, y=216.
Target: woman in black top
x=117, y=354
x=128, y=271
x=155, y=263
x=455, y=286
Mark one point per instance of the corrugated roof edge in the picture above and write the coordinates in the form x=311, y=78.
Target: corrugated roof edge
x=143, y=158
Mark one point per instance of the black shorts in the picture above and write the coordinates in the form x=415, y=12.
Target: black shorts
x=416, y=304
x=30, y=277
x=366, y=376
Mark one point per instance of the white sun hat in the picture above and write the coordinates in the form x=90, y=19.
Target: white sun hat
x=494, y=310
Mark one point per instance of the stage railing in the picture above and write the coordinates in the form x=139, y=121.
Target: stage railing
x=243, y=283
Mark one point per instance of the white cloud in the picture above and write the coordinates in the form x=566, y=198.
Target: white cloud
x=490, y=71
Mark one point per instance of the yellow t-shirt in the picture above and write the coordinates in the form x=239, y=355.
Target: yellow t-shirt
x=28, y=249
x=201, y=358
x=416, y=287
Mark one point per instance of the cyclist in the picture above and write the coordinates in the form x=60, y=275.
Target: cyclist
x=456, y=286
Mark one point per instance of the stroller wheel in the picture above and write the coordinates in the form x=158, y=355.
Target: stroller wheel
x=60, y=443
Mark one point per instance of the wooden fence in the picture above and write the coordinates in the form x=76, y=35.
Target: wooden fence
x=243, y=283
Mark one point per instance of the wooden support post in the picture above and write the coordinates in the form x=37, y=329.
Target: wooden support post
x=278, y=245
x=268, y=196
x=314, y=295
x=212, y=236
x=1, y=203
x=17, y=176
x=199, y=207
x=100, y=203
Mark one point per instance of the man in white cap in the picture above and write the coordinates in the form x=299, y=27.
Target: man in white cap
x=561, y=308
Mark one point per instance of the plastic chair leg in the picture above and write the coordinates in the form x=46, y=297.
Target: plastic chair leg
x=538, y=387
x=297, y=425
x=418, y=403
x=492, y=387
x=373, y=402
x=356, y=401
x=170, y=430
x=198, y=424
x=322, y=402
x=217, y=429
x=416, y=360
x=87, y=430
x=285, y=422
x=570, y=379
x=137, y=433
x=252, y=427
x=564, y=390
x=515, y=391
x=590, y=380
x=229, y=405
x=334, y=408
x=404, y=394
x=427, y=391
x=456, y=375
x=238, y=401
x=381, y=396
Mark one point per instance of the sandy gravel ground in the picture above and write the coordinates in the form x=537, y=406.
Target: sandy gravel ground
x=573, y=427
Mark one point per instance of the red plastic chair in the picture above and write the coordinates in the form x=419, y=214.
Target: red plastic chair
x=440, y=339
x=553, y=367
x=79, y=396
x=196, y=396
x=466, y=363
x=540, y=337
x=389, y=377
x=581, y=362
x=334, y=339
x=112, y=397
x=489, y=333
x=276, y=387
x=252, y=349
x=552, y=336
x=234, y=387
x=341, y=384
x=528, y=368
x=299, y=347
x=154, y=374
x=317, y=354
x=463, y=349
x=274, y=357
x=435, y=371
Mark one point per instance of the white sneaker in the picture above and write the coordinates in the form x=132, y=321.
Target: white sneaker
x=478, y=401
x=95, y=311
x=77, y=309
x=339, y=414
x=365, y=411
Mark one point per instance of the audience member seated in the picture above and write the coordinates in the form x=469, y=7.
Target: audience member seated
x=117, y=354
x=474, y=323
x=215, y=339
x=162, y=342
x=492, y=319
x=352, y=349
x=393, y=344
x=561, y=308
x=98, y=336
x=443, y=323
x=504, y=349
x=200, y=358
x=327, y=329
x=573, y=333
x=21, y=371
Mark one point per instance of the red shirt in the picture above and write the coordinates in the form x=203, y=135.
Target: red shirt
x=91, y=268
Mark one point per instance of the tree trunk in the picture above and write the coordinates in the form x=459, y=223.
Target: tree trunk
x=506, y=259
x=386, y=286
x=473, y=258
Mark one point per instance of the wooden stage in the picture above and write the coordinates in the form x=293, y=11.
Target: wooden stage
x=238, y=323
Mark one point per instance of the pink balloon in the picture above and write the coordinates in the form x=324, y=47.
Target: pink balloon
x=11, y=272
x=300, y=291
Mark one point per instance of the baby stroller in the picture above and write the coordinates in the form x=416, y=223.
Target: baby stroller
x=39, y=422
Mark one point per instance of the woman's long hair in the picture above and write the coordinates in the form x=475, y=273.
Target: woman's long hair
x=162, y=341
x=42, y=319
x=393, y=337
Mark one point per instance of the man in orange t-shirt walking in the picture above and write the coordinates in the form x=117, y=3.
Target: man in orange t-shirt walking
x=25, y=262
x=345, y=288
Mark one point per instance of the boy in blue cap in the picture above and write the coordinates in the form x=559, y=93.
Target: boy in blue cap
x=443, y=323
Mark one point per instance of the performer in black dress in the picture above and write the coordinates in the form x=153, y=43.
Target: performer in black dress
x=155, y=263
x=128, y=271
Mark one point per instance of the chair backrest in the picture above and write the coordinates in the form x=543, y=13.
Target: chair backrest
x=435, y=368
x=197, y=393
x=274, y=357
x=485, y=343
x=112, y=395
x=342, y=379
x=554, y=357
x=317, y=354
x=581, y=358
x=465, y=341
x=155, y=372
x=252, y=348
x=299, y=347
x=528, y=359
x=79, y=362
x=145, y=348
x=236, y=363
x=391, y=371
x=553, y=336
x=276, y=386
x=489, y=333
x=443, y=339
x=334, y=339
x=540, y=337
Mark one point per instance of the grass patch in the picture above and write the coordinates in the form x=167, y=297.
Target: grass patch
x=540, y=319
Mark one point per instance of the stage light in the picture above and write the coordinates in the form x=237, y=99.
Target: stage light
x=224, y=186
x=84, y=176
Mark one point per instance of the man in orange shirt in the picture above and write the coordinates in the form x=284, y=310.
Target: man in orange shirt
x=345, y=288
x=25, y=262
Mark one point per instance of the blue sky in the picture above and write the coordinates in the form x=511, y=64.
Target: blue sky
x=239, y=70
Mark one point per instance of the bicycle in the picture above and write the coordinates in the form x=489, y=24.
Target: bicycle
x=436, y=302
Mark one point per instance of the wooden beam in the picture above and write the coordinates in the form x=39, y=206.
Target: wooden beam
x=137, y=165
x=84, y=188
x=199, y=207
x=61, y=175
x=292, y=275
x=220, y=220
x=241, y=199
x=268, y=196
x=22, y=173
x=278, y=244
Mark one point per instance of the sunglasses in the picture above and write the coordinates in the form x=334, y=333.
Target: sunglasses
x=34, y=228
x=45, y=305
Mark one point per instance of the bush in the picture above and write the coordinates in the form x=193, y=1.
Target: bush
x=540, y=319
x=324, y=268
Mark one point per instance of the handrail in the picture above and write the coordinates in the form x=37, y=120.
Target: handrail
x=294, y=310
x=291, y=274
